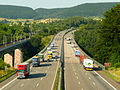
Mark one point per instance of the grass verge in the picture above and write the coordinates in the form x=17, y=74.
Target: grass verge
x=56, y=80
x=112, y=77
x=7, y=76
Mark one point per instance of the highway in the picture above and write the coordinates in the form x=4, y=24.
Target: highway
x=76, y=77
x=42, y=77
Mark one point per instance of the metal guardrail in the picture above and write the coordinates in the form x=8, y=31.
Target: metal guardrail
x=97, y=63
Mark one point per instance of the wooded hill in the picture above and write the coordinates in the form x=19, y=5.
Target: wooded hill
x=86, y=10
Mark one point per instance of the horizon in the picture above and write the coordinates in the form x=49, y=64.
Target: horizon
x=51, y=4
x=58, y=7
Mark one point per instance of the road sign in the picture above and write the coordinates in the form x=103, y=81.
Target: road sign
x=107, y=64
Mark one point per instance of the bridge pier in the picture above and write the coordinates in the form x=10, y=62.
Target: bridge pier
x=8, y=58
x=18, y=57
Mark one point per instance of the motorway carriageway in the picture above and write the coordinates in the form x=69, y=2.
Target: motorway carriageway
x=42, y=77
x=76, y=77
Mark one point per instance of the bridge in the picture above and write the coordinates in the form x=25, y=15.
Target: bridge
x=73, y=76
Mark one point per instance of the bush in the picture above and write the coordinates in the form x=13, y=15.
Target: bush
x=116, y=65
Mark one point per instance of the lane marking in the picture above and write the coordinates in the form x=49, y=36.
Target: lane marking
x=105, y=81
x=21, y=85
x=89, y=78
x=41, y=79
x=78, y=82
x=77, y=77
x=93, y=83
x=37, y=85
x=8, y=84
x=82, y=89
x=55, y=76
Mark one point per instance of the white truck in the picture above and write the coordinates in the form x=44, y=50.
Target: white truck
x=88, y=64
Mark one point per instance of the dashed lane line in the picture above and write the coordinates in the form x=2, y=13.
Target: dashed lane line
x=37, y=85
x=78, y=82
x=89, y=78
x=93, y=83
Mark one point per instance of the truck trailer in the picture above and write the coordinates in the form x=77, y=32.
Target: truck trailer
x=88, y=64
x=77, y=53
x=23, y=70
x=49, y=55
x=35, y=61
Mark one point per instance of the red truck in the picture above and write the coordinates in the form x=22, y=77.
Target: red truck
x=23, y=70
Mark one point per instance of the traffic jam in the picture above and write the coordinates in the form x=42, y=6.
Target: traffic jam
x=23, y=69
x=87, y=63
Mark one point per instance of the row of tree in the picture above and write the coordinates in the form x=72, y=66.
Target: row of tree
x=101, y=40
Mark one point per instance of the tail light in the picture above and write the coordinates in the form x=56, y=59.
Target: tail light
x=17, y=73
x=24, y=73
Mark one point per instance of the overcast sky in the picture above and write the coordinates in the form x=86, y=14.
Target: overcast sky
x=50, y=3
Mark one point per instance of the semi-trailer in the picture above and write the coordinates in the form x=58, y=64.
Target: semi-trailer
x=88, y=64
x=49, y=55
x=77, y=53
x=35, y=61
x=23, y=70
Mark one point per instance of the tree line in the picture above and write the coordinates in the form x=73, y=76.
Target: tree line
x=101, y=39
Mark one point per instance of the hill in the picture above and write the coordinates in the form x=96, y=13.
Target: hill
x=13, y=12
x=86, y=10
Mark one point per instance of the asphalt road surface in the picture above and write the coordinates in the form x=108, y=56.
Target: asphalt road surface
x=42, y=77
x=76, y=77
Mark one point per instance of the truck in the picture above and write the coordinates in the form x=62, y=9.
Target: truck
x=23, y=70
x=77, y=53
x=35, y=61
x=52, y=45
x=49, y=55
x=41, y=57
x=88, y=64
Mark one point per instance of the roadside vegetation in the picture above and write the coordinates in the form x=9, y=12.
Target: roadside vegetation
x=101, y=39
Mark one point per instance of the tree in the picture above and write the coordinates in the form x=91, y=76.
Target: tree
x=108, y=47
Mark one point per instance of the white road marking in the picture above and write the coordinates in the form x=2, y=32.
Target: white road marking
x=21, y=85
x=41, y=79
x=93, y=83
x=89, y=78
x=82, y=89
x=77, y=77
x=55, y=76
x=78, y=82
x=106, y=81
x=37, y=85
x=8, y=84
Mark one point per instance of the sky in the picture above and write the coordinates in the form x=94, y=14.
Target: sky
x=50, y=3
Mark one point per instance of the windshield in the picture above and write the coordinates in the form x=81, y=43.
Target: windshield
x=20, y=70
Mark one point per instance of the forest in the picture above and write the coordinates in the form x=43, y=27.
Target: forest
x=101, y=39
x=45, y=31
x=15, y=12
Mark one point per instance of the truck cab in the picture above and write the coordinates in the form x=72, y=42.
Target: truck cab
x=35, y=61
x=49, y=55
x=23, y=70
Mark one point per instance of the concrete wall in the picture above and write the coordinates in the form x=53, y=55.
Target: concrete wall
x=8, y=58
x=18, y=57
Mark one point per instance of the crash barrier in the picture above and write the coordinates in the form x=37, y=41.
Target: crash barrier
x=95, y=62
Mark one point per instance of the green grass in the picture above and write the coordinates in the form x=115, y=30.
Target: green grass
x=2, y=79
x=56, y=81
x=112, y=77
